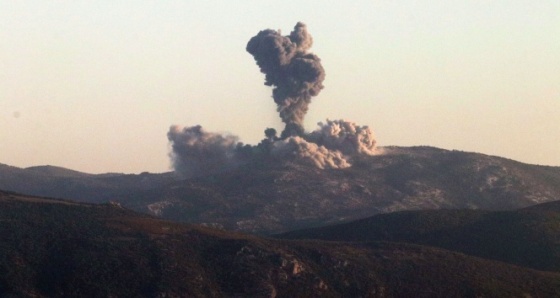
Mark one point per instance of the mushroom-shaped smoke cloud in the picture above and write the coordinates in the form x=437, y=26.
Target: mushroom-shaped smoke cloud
x=295, y=74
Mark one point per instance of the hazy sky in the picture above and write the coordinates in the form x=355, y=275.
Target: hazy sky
x=94, y=85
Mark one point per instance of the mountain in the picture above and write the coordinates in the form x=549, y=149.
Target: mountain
x=56, y=172
x=69, y=184
x=271, y=196
x=527, y=237
x=60, y=248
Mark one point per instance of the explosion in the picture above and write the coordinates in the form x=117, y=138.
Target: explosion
x=295, y=76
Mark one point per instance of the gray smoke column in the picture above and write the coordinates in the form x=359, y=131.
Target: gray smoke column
x=196, y=152
x=295, y=74
x=344, y=136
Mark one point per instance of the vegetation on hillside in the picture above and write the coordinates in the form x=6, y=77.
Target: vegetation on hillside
x=528, y=237
x=55, y=248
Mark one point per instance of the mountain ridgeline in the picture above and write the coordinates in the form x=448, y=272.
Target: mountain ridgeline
x=270, y=195
x=58, y=248
x=63, y=183
x=528, y=237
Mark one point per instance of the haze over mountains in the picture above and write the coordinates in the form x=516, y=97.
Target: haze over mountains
x=65, y=183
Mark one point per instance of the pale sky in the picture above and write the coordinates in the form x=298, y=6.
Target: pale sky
x=95, y=85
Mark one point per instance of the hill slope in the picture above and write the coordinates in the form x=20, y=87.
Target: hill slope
x=54, y=248
x=271, y=196
x=527, y=237
x=69, y=184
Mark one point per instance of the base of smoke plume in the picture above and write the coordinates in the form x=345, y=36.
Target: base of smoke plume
x=333, y=145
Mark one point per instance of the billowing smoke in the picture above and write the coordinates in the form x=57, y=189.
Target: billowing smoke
x=299, y=149
x=295, y=74
x=344, y=136
x=331, y=146
x=195, y=151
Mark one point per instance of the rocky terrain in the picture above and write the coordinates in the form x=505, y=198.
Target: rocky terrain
x=270, y=196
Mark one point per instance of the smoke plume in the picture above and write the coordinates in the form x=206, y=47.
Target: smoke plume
x=195, y=151
x=344, y=136
x=301, y=150
x=331, y=146
x=295, y=74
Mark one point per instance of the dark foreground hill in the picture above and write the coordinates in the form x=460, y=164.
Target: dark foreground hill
x=53, y=248
x=271, y=196
x=528, y=237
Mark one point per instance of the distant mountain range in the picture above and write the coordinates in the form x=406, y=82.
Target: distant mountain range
x=271, y=196
x=61, y=248
x=69, y=184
